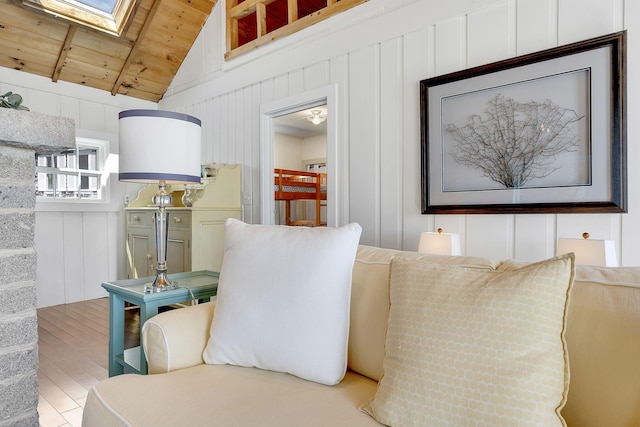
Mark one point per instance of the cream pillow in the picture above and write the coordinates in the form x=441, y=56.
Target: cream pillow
x=283, y=300
x=475, y=347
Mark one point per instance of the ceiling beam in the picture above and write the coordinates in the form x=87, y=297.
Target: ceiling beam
x=63, y=53
x=135, y=47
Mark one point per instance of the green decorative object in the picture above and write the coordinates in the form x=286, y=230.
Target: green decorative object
x=12, y=100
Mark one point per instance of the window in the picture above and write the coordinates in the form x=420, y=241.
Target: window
x=72, y=174
x=109, y=16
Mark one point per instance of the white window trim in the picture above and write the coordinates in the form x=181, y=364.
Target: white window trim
x=56, y=203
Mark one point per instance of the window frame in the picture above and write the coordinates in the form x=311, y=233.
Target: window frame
x=111, y=23
x=102, y=147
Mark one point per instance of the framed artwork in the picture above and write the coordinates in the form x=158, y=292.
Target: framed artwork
x=544, y=132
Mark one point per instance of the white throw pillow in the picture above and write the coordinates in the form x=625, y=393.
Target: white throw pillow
x=283, y=300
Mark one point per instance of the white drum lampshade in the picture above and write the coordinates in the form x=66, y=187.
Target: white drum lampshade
x=589, y=251
x=439, y=243
x=159, y=147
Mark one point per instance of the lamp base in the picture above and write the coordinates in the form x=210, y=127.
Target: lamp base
x=160, y=283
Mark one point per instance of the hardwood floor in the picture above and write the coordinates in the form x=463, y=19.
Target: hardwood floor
x=73, y=344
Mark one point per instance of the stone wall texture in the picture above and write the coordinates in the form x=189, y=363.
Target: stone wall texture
x=22, y=135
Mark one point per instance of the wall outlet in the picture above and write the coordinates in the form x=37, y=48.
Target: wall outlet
x=246, y=198
x=126, y=200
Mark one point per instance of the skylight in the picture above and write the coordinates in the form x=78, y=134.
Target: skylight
x=109, y=16
x=105, y=6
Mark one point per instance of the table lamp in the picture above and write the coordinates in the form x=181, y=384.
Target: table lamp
x=159, y=147
x=439, y=243
x=589, y=251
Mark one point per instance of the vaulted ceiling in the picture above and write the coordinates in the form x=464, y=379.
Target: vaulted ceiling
x=141, y=62
x=138, y=47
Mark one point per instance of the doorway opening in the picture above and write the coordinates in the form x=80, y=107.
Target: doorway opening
x=300, y=167
x=299, y=156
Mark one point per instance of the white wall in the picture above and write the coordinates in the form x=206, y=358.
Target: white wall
x=376, y=54
x=79, y=245
x=287, y=152
x=314, y=148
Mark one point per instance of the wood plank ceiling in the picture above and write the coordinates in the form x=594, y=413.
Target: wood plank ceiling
x=141, y=62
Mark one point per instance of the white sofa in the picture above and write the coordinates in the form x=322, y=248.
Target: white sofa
x=603, y=339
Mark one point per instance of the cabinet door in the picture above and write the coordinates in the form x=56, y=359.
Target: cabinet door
x=141, y=248
x=178, y=252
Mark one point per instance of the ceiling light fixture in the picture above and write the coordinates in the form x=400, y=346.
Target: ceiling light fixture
x=317, y=117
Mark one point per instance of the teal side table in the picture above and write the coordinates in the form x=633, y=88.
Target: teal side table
x=202, y=284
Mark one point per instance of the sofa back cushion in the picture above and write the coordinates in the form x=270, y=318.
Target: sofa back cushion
x=603, y=337
x=370, y=303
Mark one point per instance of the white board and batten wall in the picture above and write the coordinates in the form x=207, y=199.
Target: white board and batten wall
x=376, y=54
x=78, y=245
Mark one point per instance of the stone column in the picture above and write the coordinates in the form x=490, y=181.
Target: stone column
x=22, y=135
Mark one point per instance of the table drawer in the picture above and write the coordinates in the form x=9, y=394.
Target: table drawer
x=140, y=218
x=179, y=220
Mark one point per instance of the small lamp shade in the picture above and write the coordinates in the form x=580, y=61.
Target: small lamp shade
x=439, y=243
x=159, y=145
x=590, y=251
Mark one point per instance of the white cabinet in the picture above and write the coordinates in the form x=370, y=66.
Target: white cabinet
x=196, y=233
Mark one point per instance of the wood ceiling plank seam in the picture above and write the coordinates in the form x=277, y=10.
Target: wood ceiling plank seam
x=203, y=6
x=113, y=63
x=160, y=56
x=149, y=86
x=19, y=53
x=169, y=40
x=136, y=46
x=140, y=94
x=89, y=38
x=183, y=23
x=27, y=20
x=153, y=64
x=81, y=72
x=80, y=54
x=63, y=53
x=84, y=80
x=111, y=51
x=176, y=10
x=35, y=41
x=25, y=64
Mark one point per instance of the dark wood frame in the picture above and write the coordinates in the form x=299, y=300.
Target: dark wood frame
x=618, y=202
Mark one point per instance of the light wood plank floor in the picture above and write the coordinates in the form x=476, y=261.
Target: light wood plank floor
x=73, y=344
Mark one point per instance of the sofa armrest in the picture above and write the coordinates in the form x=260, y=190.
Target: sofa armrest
x=176, y=339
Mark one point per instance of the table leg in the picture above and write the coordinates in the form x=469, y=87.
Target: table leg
x=116, y=333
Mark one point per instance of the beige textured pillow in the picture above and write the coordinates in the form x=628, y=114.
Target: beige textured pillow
x=475, y=347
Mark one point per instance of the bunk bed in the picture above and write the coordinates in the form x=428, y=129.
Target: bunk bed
x=291, y=185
